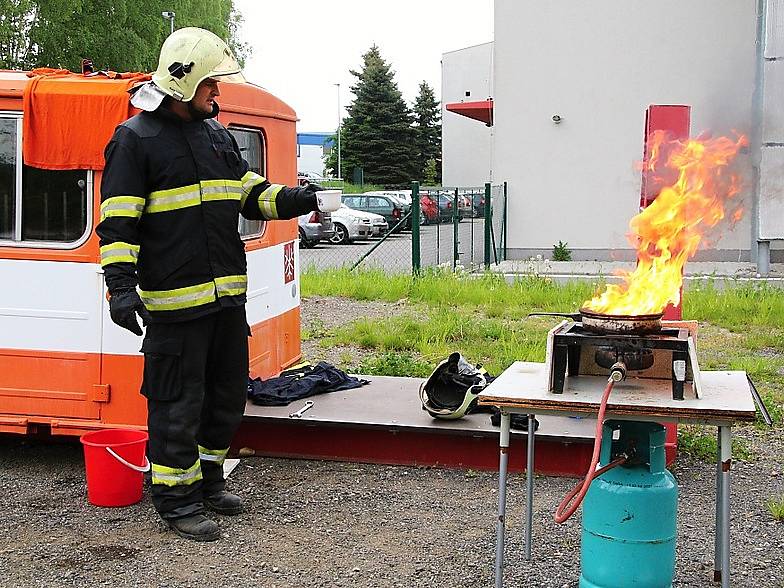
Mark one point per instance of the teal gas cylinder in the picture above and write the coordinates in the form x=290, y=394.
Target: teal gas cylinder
x=629, y=513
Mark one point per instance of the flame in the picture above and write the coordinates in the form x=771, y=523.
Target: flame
x=697, y=193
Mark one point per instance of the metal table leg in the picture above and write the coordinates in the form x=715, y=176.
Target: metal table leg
x=529, y=487
x=506, y=421
x=719, y=524
x=726, y=463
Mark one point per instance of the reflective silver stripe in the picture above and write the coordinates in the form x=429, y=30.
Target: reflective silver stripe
x=221, y=190
x=127, y=206
x=215, y=455
x=267, y=201
x=231, y=285
x=119, y=252
x=176, y=198
x=175, y=476
x=251, y=179
x=178, y=298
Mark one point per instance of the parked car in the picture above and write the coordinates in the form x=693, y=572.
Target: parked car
x=429, y=208
x=478, y=203
x=446, y=201
x=351, y=225
x=314, y=227
x=403, y=195
x=387, y=206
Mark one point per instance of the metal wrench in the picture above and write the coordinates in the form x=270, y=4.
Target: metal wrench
x=298, y=414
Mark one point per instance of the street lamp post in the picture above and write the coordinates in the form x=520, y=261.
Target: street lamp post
x=339, y=121
x=170, y=15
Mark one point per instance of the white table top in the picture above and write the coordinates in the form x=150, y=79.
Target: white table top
x=523, y=387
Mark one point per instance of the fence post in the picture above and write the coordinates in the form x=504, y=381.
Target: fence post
x=456, y=229
x=506, y=207
x=488, y=225
x=415, y=243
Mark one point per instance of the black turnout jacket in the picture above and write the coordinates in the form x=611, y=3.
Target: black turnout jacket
x=171, y=196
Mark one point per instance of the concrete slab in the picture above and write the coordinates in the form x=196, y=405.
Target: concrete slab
x=742, y=271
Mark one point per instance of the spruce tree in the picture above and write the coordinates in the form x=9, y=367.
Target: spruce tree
x=427, y=121
x=377, y=134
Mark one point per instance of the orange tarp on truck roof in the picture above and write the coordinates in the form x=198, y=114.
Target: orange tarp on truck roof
x=69, y=118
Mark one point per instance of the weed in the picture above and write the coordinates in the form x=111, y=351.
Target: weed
x=775, y=506
x=561, y=252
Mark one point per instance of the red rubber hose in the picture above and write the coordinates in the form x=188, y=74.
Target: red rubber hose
x=562, y=513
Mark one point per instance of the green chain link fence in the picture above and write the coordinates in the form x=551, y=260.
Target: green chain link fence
x=454, y=227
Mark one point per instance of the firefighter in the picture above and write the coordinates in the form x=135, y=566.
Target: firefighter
x=172, y=191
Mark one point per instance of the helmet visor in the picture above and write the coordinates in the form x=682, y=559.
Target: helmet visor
x=228, y=70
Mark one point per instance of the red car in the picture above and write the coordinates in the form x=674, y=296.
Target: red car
x=429, y=209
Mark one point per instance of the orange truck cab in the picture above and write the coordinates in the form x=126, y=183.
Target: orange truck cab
x=65, y=367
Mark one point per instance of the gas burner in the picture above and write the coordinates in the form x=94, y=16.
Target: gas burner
x=666, y=354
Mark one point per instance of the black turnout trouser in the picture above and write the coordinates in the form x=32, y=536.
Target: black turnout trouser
x=195, y=381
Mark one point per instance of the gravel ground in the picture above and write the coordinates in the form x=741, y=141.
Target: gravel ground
x=322, y=524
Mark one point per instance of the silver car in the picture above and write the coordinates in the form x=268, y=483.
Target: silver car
x=315, y=227
x=351, y=225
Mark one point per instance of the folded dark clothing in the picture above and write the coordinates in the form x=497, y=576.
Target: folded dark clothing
x=300, y=382
x=519, y=421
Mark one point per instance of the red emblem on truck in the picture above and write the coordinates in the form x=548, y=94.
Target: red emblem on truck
x=288, y=262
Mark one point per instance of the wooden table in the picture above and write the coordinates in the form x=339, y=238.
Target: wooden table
x=522, y=388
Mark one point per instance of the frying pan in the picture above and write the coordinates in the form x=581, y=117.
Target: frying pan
x=612, y=324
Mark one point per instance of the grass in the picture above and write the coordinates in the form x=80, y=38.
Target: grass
x=700, y=443
x=485, y=318
x=349, y=188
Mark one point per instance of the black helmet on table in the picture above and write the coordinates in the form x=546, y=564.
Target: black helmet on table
x=452, y=389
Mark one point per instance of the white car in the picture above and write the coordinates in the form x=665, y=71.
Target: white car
x=403, y=196
x=351, y=225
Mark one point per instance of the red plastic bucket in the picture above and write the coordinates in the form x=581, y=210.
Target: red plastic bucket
x=110, y=458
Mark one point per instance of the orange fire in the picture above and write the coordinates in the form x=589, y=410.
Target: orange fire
x=698, y=190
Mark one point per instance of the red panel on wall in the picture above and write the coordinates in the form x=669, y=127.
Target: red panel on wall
x=675, y=120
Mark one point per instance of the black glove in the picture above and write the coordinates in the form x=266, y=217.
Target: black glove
x=312, y=187
x=123, y=308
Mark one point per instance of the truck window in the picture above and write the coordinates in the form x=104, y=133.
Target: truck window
x=52, y=206
x=251, y=144
x=8, y=144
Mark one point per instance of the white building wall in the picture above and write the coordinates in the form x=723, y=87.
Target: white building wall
x=465, y=142
x=310, y=159
x=599, y=65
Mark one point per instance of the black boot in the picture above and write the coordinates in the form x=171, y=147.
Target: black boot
x=195, y=527
x=224, y=503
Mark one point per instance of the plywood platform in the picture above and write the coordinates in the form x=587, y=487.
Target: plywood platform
x=725, y=396
x=383, y=422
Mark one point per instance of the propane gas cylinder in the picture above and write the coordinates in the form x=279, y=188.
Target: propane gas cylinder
x=629, y=513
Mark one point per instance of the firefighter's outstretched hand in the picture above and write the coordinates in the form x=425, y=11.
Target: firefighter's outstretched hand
x=313, y=187
x=123, y=308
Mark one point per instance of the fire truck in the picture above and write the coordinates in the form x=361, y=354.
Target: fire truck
x=65, y=367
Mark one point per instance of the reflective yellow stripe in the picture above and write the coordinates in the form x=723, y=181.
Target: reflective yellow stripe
x=128, y=206
x=249, y=180
x=231, y=285
x=174, y=199
x=217, y=456
x=221, y=190
x=267, y=200
x=178, y=298
x=119, y=252
x=175, y=476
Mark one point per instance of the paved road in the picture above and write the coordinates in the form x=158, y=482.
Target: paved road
x=395, y=253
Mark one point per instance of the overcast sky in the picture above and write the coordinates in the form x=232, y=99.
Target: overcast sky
x=302, y=48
